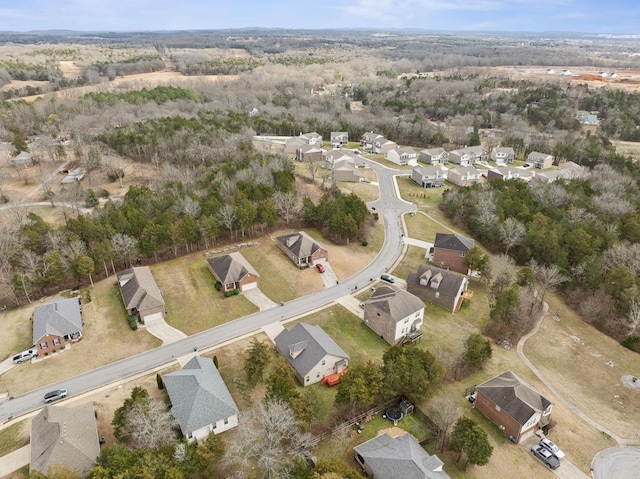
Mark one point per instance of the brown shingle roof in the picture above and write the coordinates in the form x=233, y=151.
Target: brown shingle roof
x=397, y=303
x=231, y=268
x=139, y=289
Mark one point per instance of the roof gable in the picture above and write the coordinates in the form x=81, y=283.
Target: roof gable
x=453, y=241
x=514, y=396
x=198, y=395
x=305, y=345
x=399, y=304
x=300, y=244
x=61, y=317
x=449, y=282
x=231, y=268
x=139, y=288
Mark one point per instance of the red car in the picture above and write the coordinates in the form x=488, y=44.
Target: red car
x=320, y=268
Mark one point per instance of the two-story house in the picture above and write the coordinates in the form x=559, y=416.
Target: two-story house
x=464, y=176
x=434, y=156
x=540, y=160
x=339, y=139
x=449, y=251
x=428, y=176
x=439, y=286
x=402, y=155
x=506, y=173
x=503, y=154
x=395, y=315
x=368, y=139
x=468, y=156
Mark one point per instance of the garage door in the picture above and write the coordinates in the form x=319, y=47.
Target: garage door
x=249, y=286
x=149, y=318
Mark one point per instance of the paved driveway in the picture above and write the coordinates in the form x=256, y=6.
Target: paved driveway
x=258, y=298
x=617, y=463
x=158, y=327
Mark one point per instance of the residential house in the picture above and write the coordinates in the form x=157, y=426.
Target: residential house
x=468, y=156
x=333, y=156
x=311, y=353
x=309, y=154
x=343, y=165
x=140, y=293
x=368, y=139
x=540, y=160
x=382, y=146
x=313, y=138
x=503, y=154
x=439, y=286
x=402, y=155
x=302, y=249
x=509, y=173
x=200, y=400
x=339, y=139
x=66, y=436
x=395, y=315
x=387, y=457
x=233, y=271
x=449, y=251
x=56, y=325
x=21, y=160
x=434, y=156
x=464, y=176
x=512, y=405
x=428, y=176
x=293, y=144
x=547, y=176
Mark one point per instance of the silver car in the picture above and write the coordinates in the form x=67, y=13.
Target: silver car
x=546, y=456
x=547, y=444
x=55, y=395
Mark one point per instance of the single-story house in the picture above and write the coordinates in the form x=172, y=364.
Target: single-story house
x=402, y=155
x=439, y=286
x=540, y=160
x=57, y=324
x=302, y=249
x=428, y=176
x=512, y=405
x=339, y=139
x=386, y=457
x=434, y=156
x=22, y=159
x=311, y=353
x=503, y=154
x=140, y=293
x=66, y=436
x=200, y=400
x=464, y=176
x=506, y=173
x=395, y=315
x=234, y=272
x=368, y=139
x=449, y=250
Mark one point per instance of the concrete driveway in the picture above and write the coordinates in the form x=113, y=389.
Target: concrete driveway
x=329, y=277
x=158, y=327
x=258, y=298
x=566, y=470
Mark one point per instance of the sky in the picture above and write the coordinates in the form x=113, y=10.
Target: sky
x=585, y=16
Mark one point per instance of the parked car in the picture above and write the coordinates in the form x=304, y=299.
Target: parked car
x=548, y=444
x=25, y=356
x=387, y=277
x=546, y=456
x=55, y=395
x=320, y=268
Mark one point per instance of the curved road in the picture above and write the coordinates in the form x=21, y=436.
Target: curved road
x=388, y=205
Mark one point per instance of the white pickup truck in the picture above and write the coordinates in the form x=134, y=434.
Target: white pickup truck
x=25, y=356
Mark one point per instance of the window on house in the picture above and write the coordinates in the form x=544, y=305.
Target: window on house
x=44, y=345
x=323, y=362
x=437, y=294
x=215, y=425
x=56, y=342
x=307, y=379
x=462, y=254
x=317, y=375
x=406, y=321
x=226, y=420
x=498, y=408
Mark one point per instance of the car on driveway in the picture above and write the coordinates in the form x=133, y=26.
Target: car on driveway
x=55, y=395
x=550, y=445
x=387, y=277
x=25, y=356
x=546, y=456
x=320, y=268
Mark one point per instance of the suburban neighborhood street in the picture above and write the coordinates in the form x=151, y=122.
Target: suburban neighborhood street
x=390, y=208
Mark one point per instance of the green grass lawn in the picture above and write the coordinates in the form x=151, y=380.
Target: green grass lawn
x=411, y=191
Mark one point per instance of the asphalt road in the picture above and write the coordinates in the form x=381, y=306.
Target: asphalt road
x=390, y=208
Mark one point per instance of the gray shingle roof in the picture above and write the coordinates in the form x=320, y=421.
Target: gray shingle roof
x=453, y=241
x=308, y=344
x=300, y=244
x=64, y=435
x=397, y=303
x=198, y=395
x=449, y=285
x=514, y=396
x=139, y=290
x=399, y=457
x=231, y=268
x=60, y=317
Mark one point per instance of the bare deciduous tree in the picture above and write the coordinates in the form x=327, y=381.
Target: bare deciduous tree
x=123, y=246
x=269, y=436
x=511, y=232
x=445, y=413
x=634, y=315
x=286, y=204
x=150, y=425
x=227, y=216
x=549, y=277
